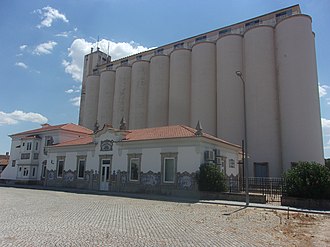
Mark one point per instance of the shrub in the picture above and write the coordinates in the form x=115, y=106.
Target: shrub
x=308, y=180
x=210, y=178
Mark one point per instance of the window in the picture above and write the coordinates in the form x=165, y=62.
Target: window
x=44, y=169
x=81, y=168
x=177, y=46
x=60, y=168
x=33, y=172
x=35, y=156
x=231, y=163
x=159, y=51
x=169, y=172
x=134, y=169
x=202, y=38
x=49, y=141
x=139, y=57
x=37, y=144
x=13, y=163
x=25, y=156
x=225, y=31
x=124, y=62
x=29, y=146
x=261, y=169
x=251, y=24
x=25, y=172
x=168, y=167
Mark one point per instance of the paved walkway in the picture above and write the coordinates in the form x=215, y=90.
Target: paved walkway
x=53, y=218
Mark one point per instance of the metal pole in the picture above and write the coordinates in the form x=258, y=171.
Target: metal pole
x=246, y=161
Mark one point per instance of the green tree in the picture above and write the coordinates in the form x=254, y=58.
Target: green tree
x=308, y=180
x=210, y=178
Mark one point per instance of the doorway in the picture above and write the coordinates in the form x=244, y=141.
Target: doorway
x=105, y=174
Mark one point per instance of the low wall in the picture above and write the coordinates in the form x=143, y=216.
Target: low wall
x=305, y=203
x=240, y=197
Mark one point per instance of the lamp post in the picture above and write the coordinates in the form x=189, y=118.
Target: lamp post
x=246, y=161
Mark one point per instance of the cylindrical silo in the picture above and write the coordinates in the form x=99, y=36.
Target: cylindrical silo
x=139, y=95
x=230, y=104
x=91, y=101
x=298, y=91
x=122, y=95
x=203, y=86
x=263, y=131
x=158, y=91
x=180, y=87
x=106, y=95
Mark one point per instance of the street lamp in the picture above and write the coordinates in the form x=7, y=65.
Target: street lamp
x=246, y=161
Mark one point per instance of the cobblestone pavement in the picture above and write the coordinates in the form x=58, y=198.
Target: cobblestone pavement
x=48, y=218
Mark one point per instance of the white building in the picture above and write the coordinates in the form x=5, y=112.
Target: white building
x=194, y=80
x=159, y=160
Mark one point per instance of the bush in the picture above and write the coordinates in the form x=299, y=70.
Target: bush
x=308, y=180
x=210, y=178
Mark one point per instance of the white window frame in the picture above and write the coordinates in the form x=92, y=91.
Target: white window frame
x=57, y=170
x=137, y=161
x=29, y=146
x=78, y=168
x=164, y=169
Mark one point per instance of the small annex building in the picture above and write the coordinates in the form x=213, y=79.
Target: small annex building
x=152, y=160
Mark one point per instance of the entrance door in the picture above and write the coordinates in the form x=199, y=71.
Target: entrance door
x=105, y=174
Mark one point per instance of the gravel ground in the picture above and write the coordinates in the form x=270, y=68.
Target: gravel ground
x=48, y=218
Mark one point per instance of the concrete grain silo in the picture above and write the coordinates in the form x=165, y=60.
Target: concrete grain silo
x=262, y=102
x=106, y=95
x=139, y=95
x=298, y=91
x=158, y=91
x=203, y=86
x=180, y=87
x=91, y=101
x=230, y=89
x=122, y=94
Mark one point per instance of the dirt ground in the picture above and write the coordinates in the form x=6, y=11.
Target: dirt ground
x=305, y=229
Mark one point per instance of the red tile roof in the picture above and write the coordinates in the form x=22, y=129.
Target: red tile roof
x=68, y=127
x=4, y=159
x=168, y=132
x=158, y=133
x=79, y=141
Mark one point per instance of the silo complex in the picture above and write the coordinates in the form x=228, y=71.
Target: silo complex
x=106, y=94
x=158, y=91
x=229, y=88
x=122, y=95
x=91, y=101
x=179, y=88
x=261, y=98
x=195, y=80
x=203, y=86
x=298, y=91
x=139, y=95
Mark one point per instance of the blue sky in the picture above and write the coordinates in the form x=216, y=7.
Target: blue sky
x=43, y=44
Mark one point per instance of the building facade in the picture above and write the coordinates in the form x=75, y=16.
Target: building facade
x=195, y=80
x=161, y=160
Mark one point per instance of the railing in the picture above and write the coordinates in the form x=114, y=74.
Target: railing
x=272, y=188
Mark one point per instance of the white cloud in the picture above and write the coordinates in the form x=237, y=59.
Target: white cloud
x=63, y=34
x=45, y=48
x=22, y=65
x=17, y=116
x=323, y=90
x=69, y=91
x=325, y=126
x=48, y=15
x=22, y=47
x=80, y=47
x=75, y=101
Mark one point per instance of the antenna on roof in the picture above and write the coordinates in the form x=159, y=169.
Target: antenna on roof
x=97, y=44
x=108, y=48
